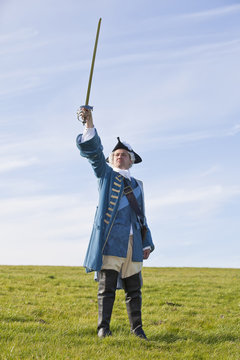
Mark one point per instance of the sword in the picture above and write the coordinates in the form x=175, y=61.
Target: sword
x=86, y=106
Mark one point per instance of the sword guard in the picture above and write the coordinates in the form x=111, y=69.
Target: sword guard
x=88, y=107
x=79, y=112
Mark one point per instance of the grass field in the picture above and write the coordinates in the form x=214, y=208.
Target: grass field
x=51, y=313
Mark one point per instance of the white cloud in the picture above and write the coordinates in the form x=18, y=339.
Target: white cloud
x=192, y=204
x=38, y=252
x=235, y=130
x=44, y=149
x=171, y=19
x=19, y=85
x=12, y=164
x=163, y=56
x=181, y=196
x=15, y=186
x=208, y=14
x=36, y=72
x=212, y=170
x=45, y=229
x=171, y=141
x=21, y=35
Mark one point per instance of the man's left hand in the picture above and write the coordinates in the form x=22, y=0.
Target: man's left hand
x=146, y=254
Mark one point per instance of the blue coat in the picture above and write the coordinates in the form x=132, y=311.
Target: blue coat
x=110, y=197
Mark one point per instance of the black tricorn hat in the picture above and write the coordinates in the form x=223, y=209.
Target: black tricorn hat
x=125, y=146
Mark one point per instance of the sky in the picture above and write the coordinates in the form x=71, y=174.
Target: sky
x=166, y=80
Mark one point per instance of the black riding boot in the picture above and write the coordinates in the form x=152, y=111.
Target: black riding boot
x=106, y=296
x=133, y=296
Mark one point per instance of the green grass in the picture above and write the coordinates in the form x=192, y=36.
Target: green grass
x=51, y=313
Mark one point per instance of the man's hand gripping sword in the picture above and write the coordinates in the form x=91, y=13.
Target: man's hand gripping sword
x=80, y=112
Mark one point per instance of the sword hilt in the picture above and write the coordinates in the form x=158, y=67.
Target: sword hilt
x=88, y=107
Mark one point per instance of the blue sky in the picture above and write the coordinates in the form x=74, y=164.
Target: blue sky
x=166, y=80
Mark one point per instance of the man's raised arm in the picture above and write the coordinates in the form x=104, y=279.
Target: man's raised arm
x=90, y=146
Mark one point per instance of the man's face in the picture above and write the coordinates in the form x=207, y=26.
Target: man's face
x=121, y=159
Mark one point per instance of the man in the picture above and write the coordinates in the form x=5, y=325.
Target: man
x=116, y=247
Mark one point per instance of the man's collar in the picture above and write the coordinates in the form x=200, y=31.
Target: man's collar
x=123, y=172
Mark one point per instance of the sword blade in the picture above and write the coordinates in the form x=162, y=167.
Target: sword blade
x=93, y=62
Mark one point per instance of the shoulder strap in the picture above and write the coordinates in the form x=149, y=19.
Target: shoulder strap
x=128, y=191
